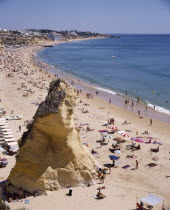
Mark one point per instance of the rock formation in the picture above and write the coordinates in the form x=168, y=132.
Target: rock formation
x=51, y=155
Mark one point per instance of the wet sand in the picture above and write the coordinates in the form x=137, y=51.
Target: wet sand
x=116, y=99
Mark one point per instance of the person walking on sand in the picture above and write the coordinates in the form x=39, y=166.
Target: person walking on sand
x=139, y=113
x=136, y=164
x=19, y=128
x=150, y=122
x=113, y=163
x=101, y=143
x=110, y=101
x=102, y=178
x=110, y=169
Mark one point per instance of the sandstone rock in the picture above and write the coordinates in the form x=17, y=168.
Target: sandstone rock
x=51, y=155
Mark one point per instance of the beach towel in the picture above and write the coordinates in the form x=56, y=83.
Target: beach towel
x=102, y=131
x=86, y=144
x=27, y=201
x=95, y=154
x=95, y=197
x=126, y=166
x=157, y=142
x=3, y=182
x=4, y=163
x=3, y=159
x=155, y=158
x=117, y=151
x=118, y=162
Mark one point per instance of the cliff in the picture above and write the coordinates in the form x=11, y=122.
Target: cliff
x=51, y=155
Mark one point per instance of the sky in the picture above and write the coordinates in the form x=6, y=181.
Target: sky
x=103, y=16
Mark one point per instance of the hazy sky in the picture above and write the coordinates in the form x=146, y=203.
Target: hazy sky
x=116, y=16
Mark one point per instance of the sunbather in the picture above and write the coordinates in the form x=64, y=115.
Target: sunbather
x=126, y=123
x=116, y=146
x=86, y=111
x=102, y=178
x=135, y=148
x=100, y=195
x=89, y=129
x=152, y=164
x=155, y=150
x=94, y=152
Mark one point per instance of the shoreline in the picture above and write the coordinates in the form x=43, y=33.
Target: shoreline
x=146, y=110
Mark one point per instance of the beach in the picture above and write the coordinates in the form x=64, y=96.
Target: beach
x=138, y=71
x=23, y=85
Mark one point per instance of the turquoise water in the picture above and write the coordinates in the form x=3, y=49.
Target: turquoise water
x=141, y=66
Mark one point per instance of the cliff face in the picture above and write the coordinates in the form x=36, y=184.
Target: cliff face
x=51, y=155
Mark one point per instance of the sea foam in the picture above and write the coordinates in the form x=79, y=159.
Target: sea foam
x=106, y=90
x=159, y=109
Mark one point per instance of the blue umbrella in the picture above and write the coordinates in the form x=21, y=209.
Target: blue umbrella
x=113, y=157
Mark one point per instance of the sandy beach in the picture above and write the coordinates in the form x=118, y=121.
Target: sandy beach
x=23, y=85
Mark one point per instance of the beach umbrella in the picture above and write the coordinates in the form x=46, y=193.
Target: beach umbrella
x=113, y=127
x=124, y=134
x=118, y=139
x=113, y=157
x=139, y=140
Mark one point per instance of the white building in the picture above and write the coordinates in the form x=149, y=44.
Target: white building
x=73, y=33
x=31, y=33
x=55, y=36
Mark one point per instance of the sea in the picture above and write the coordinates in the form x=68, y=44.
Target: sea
x=135, y=66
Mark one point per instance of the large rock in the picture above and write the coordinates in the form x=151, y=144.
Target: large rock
x=51, y=155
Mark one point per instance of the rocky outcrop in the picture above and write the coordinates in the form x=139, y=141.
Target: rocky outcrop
x=51, y=155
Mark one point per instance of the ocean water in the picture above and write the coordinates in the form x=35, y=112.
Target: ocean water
x=141, y=67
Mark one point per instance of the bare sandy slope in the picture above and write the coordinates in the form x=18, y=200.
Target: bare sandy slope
x=122, y=185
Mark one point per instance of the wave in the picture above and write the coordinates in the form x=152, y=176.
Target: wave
x=159, y=109
x=106, y=90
